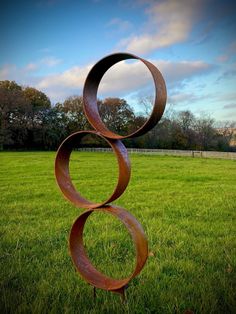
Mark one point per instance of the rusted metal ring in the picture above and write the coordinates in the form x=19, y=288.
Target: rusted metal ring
x=84, y=265
x=63, y=176
x=78, y=253
x=90, y=95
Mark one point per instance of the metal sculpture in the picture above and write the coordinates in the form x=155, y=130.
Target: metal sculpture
x=77, y=250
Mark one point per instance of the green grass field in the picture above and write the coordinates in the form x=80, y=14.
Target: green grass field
x=186, y=207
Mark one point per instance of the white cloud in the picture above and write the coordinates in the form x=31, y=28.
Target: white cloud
x=119, y=24
x=122, y=79
x=45, y=50
x=125, y=76
x=230, y=52
x=12, y=72
x=5, y=71
x=23, y=74
x=50, y=61
x=168, y=22
x=72, y=78
x=230, y=106
x=183, y=70
x=182, y=98
x=31, y=67
x=222, y=58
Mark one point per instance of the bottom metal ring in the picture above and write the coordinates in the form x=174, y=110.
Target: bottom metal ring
x=82, y=262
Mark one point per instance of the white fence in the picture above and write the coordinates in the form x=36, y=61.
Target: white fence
x=189, y=153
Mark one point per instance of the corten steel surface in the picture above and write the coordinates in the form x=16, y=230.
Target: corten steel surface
x=77, y=250
x=81, y=260
x=90, y=95
x=63, y=174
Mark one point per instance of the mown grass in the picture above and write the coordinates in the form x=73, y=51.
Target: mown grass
x=186, y=206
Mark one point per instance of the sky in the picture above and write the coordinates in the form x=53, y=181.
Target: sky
x=52, y=44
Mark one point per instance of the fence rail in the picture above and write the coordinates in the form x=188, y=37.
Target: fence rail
x=188, y=153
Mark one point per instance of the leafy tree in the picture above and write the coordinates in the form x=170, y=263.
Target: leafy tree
x=37, y=99
x=73, y=108
x=13, y=106
x=27, y=120
x=39, y=102
x=54, y=128
x=116, y=114
x=21, y=113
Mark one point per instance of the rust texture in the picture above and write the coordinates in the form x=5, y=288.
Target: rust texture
x=77, y=250
x=63, y=175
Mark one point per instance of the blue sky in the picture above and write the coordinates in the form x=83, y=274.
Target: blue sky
x=52, y=44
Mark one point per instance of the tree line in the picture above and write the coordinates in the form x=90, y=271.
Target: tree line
x=28, y=121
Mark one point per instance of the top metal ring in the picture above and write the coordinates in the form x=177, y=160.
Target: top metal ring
x=90, y=95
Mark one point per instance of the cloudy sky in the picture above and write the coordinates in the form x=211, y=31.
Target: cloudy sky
x=52, y=44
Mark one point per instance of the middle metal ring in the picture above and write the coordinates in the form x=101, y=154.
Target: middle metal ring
x=63, y=176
